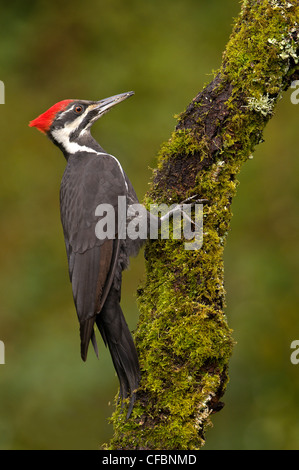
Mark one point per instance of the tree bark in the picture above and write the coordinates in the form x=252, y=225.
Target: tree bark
x=183, y=338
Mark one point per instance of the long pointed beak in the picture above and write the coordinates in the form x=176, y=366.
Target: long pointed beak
x=104, y=105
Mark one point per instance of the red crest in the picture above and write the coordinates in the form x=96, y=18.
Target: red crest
x=44, y=121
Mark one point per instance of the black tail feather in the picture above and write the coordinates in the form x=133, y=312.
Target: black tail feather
x=116, y=335
x=87, y=334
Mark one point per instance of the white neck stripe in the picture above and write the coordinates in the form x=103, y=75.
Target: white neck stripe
x=62, y=136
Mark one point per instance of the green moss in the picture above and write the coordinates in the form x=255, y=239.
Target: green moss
x=182, y=142
x=263, y=42
x=179, y=343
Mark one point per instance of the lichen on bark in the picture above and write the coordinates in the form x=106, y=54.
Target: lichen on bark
x=182, y=337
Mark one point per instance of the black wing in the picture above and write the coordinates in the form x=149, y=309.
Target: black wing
x=92, y=262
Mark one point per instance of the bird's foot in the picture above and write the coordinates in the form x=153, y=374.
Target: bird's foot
x=195, y=199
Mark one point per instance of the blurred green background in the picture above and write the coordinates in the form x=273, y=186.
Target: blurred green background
x=165, y=51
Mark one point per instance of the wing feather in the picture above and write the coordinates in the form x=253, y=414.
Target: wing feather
x=92, y=262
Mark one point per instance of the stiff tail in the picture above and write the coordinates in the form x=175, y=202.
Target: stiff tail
x=87, y=334
x=117, y=337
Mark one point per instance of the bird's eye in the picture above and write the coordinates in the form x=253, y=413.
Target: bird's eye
x=78, y=109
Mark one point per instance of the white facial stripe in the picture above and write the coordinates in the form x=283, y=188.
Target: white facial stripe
x=63, y=137
x=74, y=124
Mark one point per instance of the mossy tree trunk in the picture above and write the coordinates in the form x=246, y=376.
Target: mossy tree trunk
x=183, y=339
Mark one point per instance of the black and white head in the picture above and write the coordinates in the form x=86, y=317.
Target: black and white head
x=68, y=122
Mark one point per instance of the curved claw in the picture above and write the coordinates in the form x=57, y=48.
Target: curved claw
x=193, y=200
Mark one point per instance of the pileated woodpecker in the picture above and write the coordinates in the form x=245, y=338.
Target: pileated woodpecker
x=94, y=177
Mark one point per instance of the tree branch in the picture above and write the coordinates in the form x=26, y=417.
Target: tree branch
x=183, y=339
